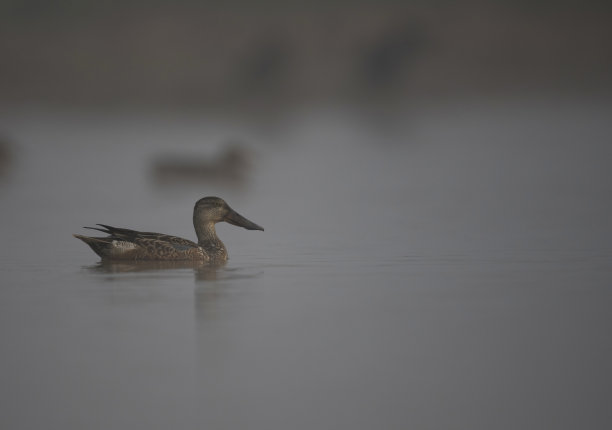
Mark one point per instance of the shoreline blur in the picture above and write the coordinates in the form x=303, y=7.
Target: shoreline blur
x=264, y=57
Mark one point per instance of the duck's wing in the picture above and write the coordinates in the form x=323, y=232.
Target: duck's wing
x=126, y=244
x=133, y=235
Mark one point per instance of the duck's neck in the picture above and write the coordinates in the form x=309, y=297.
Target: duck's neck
x=207, y=237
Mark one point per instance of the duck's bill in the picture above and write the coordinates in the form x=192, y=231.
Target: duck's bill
x=235, y=218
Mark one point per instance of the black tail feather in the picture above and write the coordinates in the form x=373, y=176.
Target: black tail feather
x=117, y=230
x=103, y=230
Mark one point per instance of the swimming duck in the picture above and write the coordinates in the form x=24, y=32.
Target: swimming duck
x=229, y=168
x=125, y=244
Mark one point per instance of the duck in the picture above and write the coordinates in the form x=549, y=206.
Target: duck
x=230, y=168
x=125, y=244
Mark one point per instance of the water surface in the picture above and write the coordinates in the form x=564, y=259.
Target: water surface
x=449, y=270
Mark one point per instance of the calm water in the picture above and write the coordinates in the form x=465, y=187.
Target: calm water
x=448, y=269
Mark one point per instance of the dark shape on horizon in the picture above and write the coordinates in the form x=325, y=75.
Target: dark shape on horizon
x=265, y=66
x=125, y=244
x=386, y=62
x=5, y=156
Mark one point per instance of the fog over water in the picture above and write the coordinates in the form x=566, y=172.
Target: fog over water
x=446, y=267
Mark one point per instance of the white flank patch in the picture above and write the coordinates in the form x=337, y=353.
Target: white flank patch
x=123, y=245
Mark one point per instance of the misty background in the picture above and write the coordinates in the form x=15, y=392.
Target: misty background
x=434, y=183
x=272, y=55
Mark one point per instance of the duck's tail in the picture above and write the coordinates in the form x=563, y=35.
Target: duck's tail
x=100, y=245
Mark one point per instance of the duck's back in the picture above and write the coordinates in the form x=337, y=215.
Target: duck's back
x=126, y=244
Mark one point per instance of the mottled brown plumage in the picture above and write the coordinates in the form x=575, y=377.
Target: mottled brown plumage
x=125, y=244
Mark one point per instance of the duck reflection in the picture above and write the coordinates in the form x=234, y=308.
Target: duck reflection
x=143, y=282
x=203, y=271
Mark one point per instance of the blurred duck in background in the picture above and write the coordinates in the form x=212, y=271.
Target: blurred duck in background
x=230, y=168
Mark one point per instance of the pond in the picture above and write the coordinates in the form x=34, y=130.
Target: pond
x=444, y=268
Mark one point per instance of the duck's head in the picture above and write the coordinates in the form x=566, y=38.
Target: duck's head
x=215, y=209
